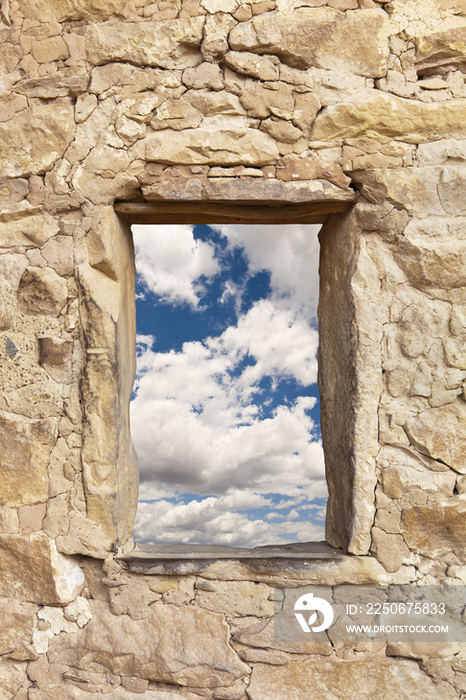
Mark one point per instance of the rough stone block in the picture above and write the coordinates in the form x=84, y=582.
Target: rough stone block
x=441, y=434
x=436, y=530
x=55, y=356
x=29, y=230
x=35, y=140
x=32, y=570
x=42, y=291
x=167, y=44
x=25, y=447
x=321, y=37
x=183, y=646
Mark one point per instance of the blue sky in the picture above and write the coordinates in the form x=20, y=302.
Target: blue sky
x=225, y=413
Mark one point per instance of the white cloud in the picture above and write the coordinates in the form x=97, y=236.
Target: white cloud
x=171, y=261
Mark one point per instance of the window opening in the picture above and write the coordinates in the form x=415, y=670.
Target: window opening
x=225, y=410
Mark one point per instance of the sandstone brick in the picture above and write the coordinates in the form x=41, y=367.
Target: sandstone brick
x=53, y=49
x=25, y=448
x=42, y=291
x=357, y=41
x=65, y=82
x=55, y=356
x=30, y=517
x=436, y=530
x=260, y=67
x=206, y=75
x=441, y=433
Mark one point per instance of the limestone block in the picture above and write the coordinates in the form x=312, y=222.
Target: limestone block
x=441, y=434
x=35, y=140
x=28, y=230
x=237, y=599
x=350, y=380
x=108, y=315
x=355, y=41
x=62, y=10
x=442, y=152
x=65, y=82
x=58, y=252
x=306, y=107
x=177, y=115
x=32, y=570
x=11, y=55
x=352, y=680
x=16, y=625
x=261, y=636
x=55, y=356
x=281, y=130
x=216, y=30
x=398, y=480
x=42, y=291
x=12, y=677
x=219, y=147
x=390, y=549
x=383, y=116
x=25, y=446
x=168, y=44
x=183, y=646
x=260, y=67
x=9, y=523
x=84, y=536
x=439, y=53
x=262, y=100
x=206, y=75
x=41, y=399
x=31, y=517
x=52, y=49
x=132, y=599
x=455, y=352
x=451, y=189
x=212, y=103
x=436, y=530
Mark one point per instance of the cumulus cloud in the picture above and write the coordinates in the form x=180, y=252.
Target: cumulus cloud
x=216, y=466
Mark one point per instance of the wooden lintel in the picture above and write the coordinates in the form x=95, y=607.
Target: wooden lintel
x=222, y=213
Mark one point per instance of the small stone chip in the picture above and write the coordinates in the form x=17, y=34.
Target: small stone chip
x=11, y=349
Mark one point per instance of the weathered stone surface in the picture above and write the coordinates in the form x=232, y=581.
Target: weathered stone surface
x=42, y=291
x=350, y=435
x=177, y=115
x=382, y=116
x=11, y=55
x=17, y=625
x=84, y=536
x=237, y=599
x=58, y=252
x=261, y=636
x=167, y=44
x=184, y=646
x=441, y=434
x=259, y=67
x=363, y=680
x=206, y=75
x=55, y=355
x=27, y=230
x=34, y=141
x=413, y=189
x=390, y=549
x=324, y=38
x=436, y=530
x=32, y=570
x=65, y=82
x=110, y=471
x=25, y=446
x=398, y=480
x=219, y=147
x=216, y=31
x=281, y=130
x=441, y=52
x=12, y=677
x=51, y=49
x=62, y=10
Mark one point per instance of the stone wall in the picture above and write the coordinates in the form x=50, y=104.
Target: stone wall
x=350, y=106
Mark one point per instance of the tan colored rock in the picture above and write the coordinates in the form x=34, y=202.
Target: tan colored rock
x=42, y=291
x=262, y=636
x=55, y=356
x=65, y=82
x=9, y=523
x=436, y=530
x=306, y=107
x=281, y=130
x=262, y=100
x=56, y=522
x=219, y=147
x=206, y=75
x=212, y=103
x=12, y=677
x=17, y=625
x=47, y=50
x=84, y=536
x=216, y=30
x=67, y=691
x=133, y=599
x=32, y=570
x=237, y=599
x=177, y=115
x=441, y=434
x=441, y=52
x=260, y=67
x=390, y=550
x=58, y=252
x=184, y=646
x=41, y=399
x=397, y=481
x=29, y=230
x=62, y=10
x=168, y=44
x=372, y=113
x=25, y=444
x=110, y=470
x=263, y=656
x=355, y=41
x=35, y=140
x=450, y=189
x=361, y=680
x=11, y=55
x=31, y=517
